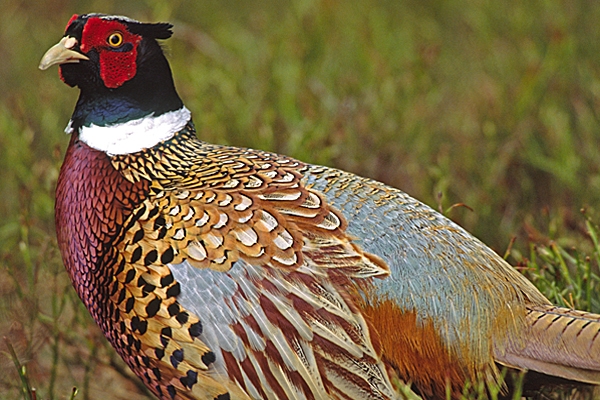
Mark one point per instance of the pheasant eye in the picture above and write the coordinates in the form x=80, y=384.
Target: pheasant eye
x=115, y=39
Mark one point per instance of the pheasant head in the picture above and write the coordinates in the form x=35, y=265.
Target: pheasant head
x=124, y=79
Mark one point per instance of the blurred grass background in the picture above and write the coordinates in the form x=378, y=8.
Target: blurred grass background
x=490, y=104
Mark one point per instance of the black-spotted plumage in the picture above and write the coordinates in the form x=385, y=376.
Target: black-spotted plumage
x=243, y=214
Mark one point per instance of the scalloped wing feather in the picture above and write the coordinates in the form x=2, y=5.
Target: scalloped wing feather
x=263, y=265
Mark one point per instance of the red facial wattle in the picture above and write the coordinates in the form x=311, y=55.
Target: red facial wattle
x=117, y=64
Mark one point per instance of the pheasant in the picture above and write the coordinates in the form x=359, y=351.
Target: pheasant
x=230, y=273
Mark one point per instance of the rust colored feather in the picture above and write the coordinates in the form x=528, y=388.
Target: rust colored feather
x=416, y=350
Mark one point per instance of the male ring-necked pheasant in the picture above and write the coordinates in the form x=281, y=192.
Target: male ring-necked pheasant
x=227, y=273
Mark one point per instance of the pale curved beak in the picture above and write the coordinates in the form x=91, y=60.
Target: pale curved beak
x=61, y=53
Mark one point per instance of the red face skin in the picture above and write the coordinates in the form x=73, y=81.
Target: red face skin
x=116, y=47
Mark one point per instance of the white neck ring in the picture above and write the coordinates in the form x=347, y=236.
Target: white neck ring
x=135, y=135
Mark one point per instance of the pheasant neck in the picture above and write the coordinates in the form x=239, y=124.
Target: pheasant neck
x=134, y=135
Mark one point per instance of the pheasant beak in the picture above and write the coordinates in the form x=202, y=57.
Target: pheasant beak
x=62, y=53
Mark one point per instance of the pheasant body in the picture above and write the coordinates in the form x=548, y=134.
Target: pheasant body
x=219, y=272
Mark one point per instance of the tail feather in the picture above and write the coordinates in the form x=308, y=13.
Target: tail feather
x=556, y=341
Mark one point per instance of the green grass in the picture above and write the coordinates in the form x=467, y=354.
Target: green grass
x=491, y=104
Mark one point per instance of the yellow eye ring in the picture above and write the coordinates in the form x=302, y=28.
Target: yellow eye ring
x=115, y=39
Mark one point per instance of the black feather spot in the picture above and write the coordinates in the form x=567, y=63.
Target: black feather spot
x=164, y=341
x=159, y=222
x=139, y=235
x=224, y=396
x=135, y=323
x=137, y=254
x=151, y=257
x=129, y=224
x=135, y=361
x=173, y=309
x=182, y=318
x=113, y=288
x=159, y=353
x=208, y=358
x=156, y=373
x=166, y=280
x=146, y=361
x=140, y=212
x=162, y=232
x=141, y=281
x=153, y=307
x=178, y=355
x=129, y=276
x=121, y=296
x=129, y=304
x=176, y=358
x=153, y=212
x=166, y=331
x=190, y=379
x=195, y=329
x=143, y=327
x=174, y=290
x=148, y=288
x=167, y=256
x=171, y=391
x=121, y=267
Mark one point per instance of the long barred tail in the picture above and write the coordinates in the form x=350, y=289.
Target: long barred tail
x=557, y=341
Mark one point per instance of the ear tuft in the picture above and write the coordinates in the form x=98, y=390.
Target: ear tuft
x=161, y=30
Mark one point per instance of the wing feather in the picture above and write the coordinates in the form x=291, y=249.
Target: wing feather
x=266, y=267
